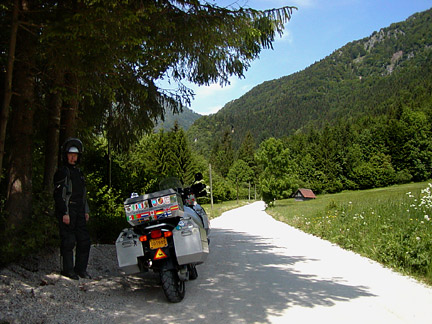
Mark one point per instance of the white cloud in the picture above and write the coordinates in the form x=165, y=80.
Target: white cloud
x=207, y=90
x=210, y=99
x=286, y=37
x=213, y=89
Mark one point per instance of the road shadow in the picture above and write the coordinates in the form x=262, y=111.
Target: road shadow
x=244, y=280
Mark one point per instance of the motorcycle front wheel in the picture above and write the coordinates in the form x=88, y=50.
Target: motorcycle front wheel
x=173, y=287
x=193, y=273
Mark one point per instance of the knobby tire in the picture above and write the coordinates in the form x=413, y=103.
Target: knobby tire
x=173, y=287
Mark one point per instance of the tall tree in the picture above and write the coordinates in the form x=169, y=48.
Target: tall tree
x=4, y=112
x=115, y=51
x=182, y=159
x=19, y=192
x=162, y=156
x=278, y=178
x=246, y=151
x=52, y=141
x=239, y=173
x=222, y=156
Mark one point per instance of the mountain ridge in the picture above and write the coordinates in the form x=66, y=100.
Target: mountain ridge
x=365, y=76
x=185, y=119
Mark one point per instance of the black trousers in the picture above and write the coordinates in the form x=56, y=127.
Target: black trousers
x=74, y=234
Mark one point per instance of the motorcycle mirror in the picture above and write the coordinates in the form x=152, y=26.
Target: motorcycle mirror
x=198, y=176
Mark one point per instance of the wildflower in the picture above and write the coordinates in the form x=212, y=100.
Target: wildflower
x=418, y=238
x=427, y=217
x=426, y=199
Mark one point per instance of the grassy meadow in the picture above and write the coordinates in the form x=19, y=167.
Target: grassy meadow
x=222, y=207
x=390, y=225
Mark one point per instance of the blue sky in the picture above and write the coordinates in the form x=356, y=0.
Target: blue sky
x=315, y=30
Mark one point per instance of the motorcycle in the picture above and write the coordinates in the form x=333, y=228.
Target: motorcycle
x=169, y=235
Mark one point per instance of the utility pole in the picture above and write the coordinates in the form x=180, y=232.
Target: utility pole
x=211, y=187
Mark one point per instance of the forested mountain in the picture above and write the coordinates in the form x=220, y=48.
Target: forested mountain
x=184, y=119
x=369, y=77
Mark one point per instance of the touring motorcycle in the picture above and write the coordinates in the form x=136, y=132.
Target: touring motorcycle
x=169, y=235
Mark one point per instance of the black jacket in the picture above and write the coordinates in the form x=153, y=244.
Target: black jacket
x=69, y=190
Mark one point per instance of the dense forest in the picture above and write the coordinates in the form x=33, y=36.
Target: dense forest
x=92, y=70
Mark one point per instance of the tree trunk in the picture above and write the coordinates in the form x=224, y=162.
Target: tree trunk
x=19, y=194
x=53, y=131
x=70, y=108
x=4, y=113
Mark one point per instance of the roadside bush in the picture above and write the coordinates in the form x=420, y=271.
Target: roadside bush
x=107, y=217
x=40, y=231
x=403, y=176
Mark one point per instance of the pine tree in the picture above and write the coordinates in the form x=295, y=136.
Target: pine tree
x=162, y=156
x=247, y=152
x=222, y=156
x=181, y=155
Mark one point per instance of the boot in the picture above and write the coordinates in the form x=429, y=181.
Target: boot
x=68, y=266
x=81, y=261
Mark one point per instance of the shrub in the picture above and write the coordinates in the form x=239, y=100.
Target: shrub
x=107, y=217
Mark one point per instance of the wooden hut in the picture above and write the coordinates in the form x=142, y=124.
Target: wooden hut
x=304, y=194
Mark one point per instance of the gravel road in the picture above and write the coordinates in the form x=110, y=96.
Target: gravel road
x=259, y=271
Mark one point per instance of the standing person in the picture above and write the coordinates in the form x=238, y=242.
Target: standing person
x=72, y=211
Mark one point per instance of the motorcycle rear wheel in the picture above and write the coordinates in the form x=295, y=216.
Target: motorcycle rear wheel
x=173, y=287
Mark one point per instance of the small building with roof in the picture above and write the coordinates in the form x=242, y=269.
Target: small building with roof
x=304, y=194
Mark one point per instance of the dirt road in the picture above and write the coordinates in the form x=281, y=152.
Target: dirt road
x=263, y=271
x=259, y=271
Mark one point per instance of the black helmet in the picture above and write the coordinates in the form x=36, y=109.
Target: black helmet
x=72, y=145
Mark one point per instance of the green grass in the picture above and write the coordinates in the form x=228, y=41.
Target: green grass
x=386, y=224
x=222, y=207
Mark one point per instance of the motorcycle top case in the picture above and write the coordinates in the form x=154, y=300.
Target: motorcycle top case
x=129, y=248
x=153, y=206
x=190, y=242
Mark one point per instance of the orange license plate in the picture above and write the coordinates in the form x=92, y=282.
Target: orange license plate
x=158, y=243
